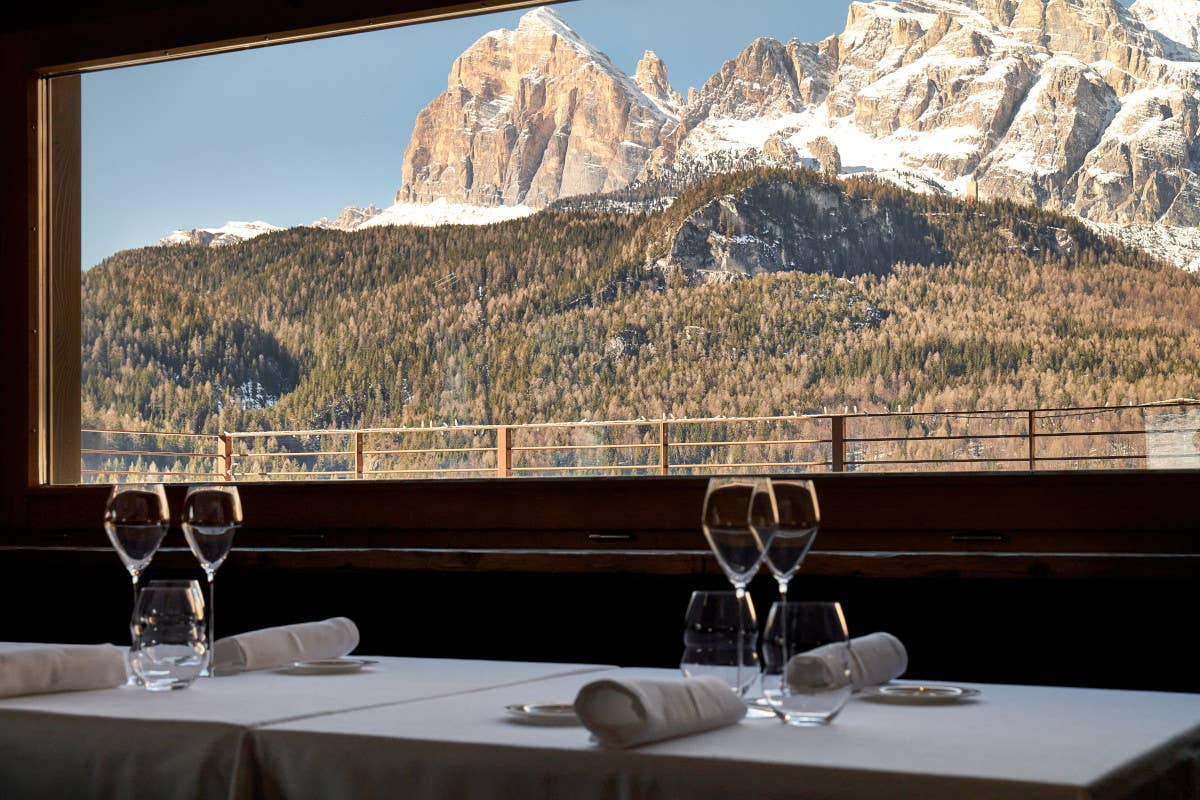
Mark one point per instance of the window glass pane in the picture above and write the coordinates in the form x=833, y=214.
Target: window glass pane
x=618, y=238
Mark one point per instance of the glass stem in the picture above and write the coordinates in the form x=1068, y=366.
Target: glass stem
x=783, y=635
x=212, y=604
x=741, y=599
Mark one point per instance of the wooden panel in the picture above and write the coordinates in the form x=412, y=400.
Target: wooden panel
x=215, y=26
x=60, y=243
x=867, y=565
x=953, y=516
x=18, y=344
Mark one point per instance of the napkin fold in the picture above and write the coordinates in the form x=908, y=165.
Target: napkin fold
x=626, y=712
x=874, y=659
x=61, y=668
x=284, y=645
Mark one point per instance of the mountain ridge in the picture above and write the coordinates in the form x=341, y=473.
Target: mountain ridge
x=1082, y=106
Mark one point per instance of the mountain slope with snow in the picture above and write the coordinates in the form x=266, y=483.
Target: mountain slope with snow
x=230, y=233
x=1081, y=106
x=1177, y=20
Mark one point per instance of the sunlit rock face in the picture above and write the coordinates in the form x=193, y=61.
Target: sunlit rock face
x=1083, y=106
x=532, y=115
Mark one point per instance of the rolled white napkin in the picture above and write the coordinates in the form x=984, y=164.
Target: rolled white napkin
x=61, y=668
x=874, y=659
x=282, y=646
x=626, y=712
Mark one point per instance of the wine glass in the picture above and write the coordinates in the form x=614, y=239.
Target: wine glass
x=711, y=641
x=810, y=686
x=136, y=520
x=799, y=519
x=169, y=647
x=738, y=521
x=211, y=516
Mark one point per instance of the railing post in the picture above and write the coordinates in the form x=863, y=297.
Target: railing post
x=837, y=438
x=358, y=455
x=1032, y=440
x=227, y=457
x=504, y=452
x=664, y=447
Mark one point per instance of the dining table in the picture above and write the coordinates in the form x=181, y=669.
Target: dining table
x=442, y=728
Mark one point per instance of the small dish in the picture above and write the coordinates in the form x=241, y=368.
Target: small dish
x=543, y=713
x=918, y=694
x=328, y=666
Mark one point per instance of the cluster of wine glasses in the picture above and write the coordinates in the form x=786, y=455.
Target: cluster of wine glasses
x=749, y=520
x=136, y=519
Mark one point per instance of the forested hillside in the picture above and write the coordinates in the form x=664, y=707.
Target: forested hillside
x=579, y=314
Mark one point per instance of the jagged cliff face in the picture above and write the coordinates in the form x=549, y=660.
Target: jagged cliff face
x=780, y=226
x=1083, y=106
x=535, y=114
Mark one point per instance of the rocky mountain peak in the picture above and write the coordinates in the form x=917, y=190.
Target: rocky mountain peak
x=529, y=116
x=1083, y=106
x=651, y=78
x=351, y=218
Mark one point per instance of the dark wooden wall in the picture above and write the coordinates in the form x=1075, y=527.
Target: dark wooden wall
x=1120, y=633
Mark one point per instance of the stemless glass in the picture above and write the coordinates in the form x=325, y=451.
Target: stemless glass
x=711, y=639
x=738, y=522
x=799, y=519
x=169, y=648
x=211, y=516
x=810, y=686
x=136, y=519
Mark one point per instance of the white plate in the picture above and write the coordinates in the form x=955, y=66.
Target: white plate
x=544, y=713
x=918, y=694
x=328, y=666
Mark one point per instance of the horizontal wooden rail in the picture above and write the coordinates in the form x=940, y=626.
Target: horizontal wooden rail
x=1043, y=443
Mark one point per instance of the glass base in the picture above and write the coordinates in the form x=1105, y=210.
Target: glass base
x=807, y=722
x=166, y=687
x=755, y=711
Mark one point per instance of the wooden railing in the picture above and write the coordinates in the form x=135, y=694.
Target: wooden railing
x=1154, y=435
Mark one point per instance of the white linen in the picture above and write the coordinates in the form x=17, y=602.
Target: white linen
x=61, y=668
x=1012, y=742
x=129, y=743
x=628, y=712
x=282, y=646
x=874, y=659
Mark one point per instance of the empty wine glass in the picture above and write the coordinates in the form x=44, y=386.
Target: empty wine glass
x=711, y=641
x=169, y=648
x=136, y=519
x=799, y=519
x=738, y=522
x=211, y=516
x=809, y=686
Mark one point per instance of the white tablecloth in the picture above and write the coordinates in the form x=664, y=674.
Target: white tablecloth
x=428, y=728
x=191, y=743
x=1013, y=742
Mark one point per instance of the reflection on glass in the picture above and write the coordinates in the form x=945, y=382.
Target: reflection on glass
x=211, y=516
x=739, y=520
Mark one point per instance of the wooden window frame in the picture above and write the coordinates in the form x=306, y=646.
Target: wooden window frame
x=1069, y=525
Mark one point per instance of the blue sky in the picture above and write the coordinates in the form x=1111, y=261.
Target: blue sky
x=292, y=133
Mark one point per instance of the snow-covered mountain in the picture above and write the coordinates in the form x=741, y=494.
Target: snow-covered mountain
x=351, y=218
x=1082, y=106
x=229, y=233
